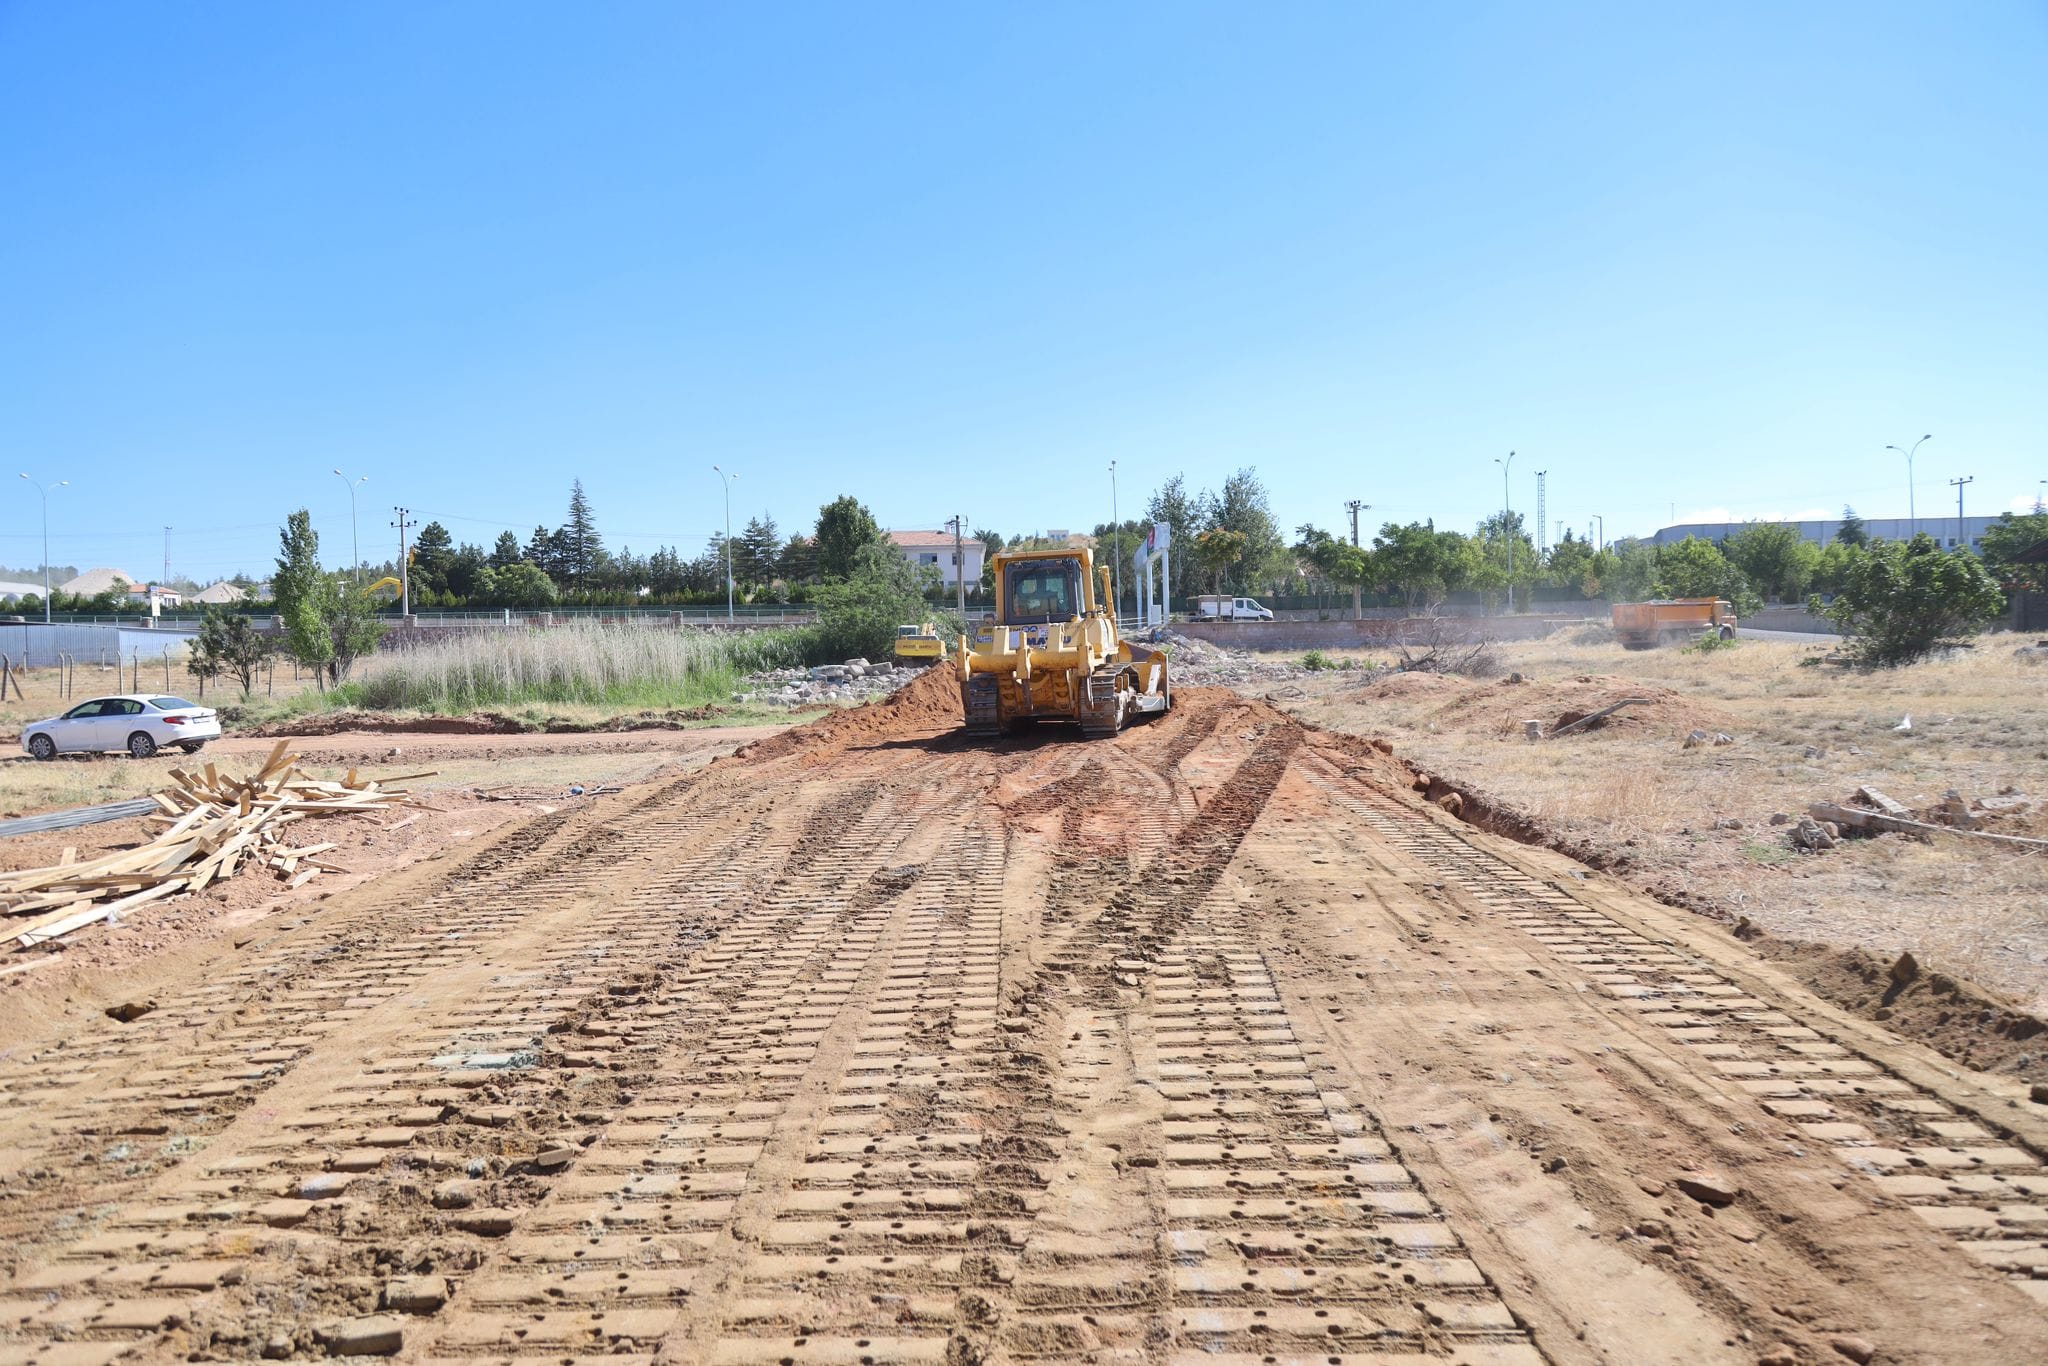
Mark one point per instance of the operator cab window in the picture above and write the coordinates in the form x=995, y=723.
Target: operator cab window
x=1043, y=591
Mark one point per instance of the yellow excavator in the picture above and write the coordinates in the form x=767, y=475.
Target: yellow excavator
x=1050, y=651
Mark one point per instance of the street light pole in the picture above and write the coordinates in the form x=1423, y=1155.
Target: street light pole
x=1962, y=537
x=1911, y=512
x=1116, y=542
x=1507, y=511
x=354, y=544
x=727, y=480
x=46, y=541
x=1600, y=542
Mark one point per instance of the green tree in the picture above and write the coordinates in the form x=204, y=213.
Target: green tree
x=304, y=594
x=1852, y=532
x=1507, y=556
x=1778, y=562
x=1903, y=600
x=353, y=629
x=1568, y=563
x=432, y=554
x=2006, y=539
x=506, y=551
x=1217, y=550
x=1335, y=560
x=1181, y=512
x=1628, y=569
x=582, y=547
x=524, y=584
x=755, y=550
x=1832, y=569
x=1421, y=563
x=1241, y=509
x=1696, y=568
x=858, y=613
x=228, y=645
x=845, y=528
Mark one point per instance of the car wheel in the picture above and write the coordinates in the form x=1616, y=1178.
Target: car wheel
x=141, y=745
x=42, y=746
x=192, y=746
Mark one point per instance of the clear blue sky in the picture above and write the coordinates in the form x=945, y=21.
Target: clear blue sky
x=959, y=257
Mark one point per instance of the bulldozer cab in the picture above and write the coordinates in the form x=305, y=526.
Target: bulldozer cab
x=1042, y=589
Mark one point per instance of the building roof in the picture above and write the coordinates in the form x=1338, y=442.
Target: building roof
x=930, y=540
x=20, y=590
x=220, y=593
x=94, y=582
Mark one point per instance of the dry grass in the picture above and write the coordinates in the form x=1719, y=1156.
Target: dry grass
x=1979, y=725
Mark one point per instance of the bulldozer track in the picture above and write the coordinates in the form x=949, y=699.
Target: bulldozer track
x=1194, y=1045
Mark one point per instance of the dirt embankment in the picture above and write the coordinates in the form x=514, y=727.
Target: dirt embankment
x=1504, y=706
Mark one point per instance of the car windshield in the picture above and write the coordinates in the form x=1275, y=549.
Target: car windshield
x=172, y=704
x=1043, y=590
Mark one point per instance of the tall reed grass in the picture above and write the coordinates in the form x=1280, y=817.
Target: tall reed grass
x=586, y=664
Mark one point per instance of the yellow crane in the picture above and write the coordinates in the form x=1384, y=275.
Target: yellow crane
x=1051, y=652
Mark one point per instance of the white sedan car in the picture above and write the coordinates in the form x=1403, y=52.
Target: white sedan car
x=141, y=723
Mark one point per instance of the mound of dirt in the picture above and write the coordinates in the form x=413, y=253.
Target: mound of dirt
x=1501, y=708
x=930, y=702
x=1415, y=685
x=341, y=722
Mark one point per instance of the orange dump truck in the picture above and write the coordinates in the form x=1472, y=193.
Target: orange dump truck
x=1642, y=625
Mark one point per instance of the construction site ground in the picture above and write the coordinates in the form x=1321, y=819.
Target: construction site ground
x=1213, y=1043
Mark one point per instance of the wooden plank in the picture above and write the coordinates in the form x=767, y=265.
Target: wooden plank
x=276, y=761
x=43, y=931
x=1595, y=716
x=68, y=857
x=1877, y=820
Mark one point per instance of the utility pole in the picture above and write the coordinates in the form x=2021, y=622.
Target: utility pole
x=1541, y=511
x=404, y=524
x=1116, y=547
x=959, y=563
x=1600, y=540
x=1354, y=507
x=1962, y=539
x=167, y=557
x=1507, y=512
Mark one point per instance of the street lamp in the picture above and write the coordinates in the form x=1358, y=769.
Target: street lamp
x=1507, y=512
x=46, y=541
x=1910, y=512
x=354, y=543
x=727, y=480
x=1116, y=552
x=1600, y=543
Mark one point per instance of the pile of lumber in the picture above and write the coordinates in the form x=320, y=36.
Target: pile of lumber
x=214, y=825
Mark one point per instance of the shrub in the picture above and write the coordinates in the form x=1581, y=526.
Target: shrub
x=1903, y=600
x=1712, y=641
x=858, y=615
x=1316, y=661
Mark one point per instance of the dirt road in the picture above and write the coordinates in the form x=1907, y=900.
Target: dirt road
x=1208, y=1044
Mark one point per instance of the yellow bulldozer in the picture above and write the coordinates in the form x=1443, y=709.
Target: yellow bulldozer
x=1050, y=651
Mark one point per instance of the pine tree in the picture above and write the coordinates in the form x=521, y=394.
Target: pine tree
x=1852, y=531
x=580, y=541
x=506, y=551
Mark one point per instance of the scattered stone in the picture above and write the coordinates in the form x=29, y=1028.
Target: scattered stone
x=548, y=1159
x=1653, y=1189
x=373, y=1335
x=277, y=1347
x=2038, y=1093
x=1783, y=1356
x=130, y=1010
x=283, y=1213
x=454, y=1195
x=1858, y=1350
x=1780, y=818
x=1708, y=1188
x=325, y=1185
x=1729, y=823
x=1905, y=969
x=415, y=1294
x=1694, y=740
x=488, y=1223
x=1816, y=752
x=1653, y=1228
x=1812, y=835
x=1452, y=802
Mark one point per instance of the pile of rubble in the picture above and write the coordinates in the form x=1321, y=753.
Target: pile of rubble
x=1826, y=824
x=1198, y=664
x=832, y=685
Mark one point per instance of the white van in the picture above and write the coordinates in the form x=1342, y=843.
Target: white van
x=1213, y=607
